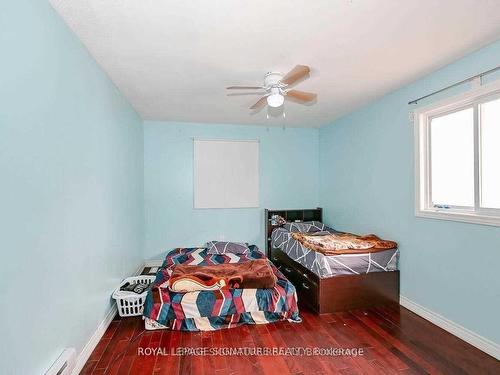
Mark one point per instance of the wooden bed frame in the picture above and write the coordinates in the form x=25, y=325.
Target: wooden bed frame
x=339, y=293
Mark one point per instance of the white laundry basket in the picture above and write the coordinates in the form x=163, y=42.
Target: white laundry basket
x=130, y=303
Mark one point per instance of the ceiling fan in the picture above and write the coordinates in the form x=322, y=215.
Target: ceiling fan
x=277, y=87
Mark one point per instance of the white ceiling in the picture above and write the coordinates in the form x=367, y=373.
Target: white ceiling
x=173, y=59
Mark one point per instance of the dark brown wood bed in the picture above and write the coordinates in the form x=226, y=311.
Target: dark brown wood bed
x=337, y=293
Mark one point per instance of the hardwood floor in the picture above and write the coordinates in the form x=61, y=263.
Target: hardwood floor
x=394, y=341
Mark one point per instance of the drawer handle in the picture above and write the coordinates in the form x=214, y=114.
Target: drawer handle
x=305, y=286
x=287, y=270
x=275, y=258
x=305, y=275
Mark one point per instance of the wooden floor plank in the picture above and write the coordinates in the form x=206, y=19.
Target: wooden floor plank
x=168, y=364
x=394, y=341
x=122, y=334
x=124, y=357
x=438, y=346
x=395, y=345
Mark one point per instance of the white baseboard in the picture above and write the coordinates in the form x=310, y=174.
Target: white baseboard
x=463, y=333
x=153, y=263
x=99, y=332
x=94, y=340
x=138, y=271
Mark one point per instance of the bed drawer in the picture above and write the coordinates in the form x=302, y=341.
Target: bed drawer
x=306, y=283
x=340, y=293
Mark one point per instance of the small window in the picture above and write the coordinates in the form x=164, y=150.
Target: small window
x=458, y=158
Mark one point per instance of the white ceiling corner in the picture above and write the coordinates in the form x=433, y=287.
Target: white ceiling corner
x=173, y=59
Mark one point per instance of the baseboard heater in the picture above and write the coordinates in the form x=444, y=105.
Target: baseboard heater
x=64, y=364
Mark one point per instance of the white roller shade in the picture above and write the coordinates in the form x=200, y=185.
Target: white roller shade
x=226, y=173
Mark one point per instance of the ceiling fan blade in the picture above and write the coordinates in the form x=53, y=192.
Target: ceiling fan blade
x=297, y=73
x=244, y=87
x=302, y=96
x=259, y=103
x=239, y=93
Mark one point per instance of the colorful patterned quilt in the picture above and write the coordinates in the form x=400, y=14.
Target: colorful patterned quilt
x=211, y=310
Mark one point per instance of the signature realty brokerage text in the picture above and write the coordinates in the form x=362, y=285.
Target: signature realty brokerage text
x=251, y=351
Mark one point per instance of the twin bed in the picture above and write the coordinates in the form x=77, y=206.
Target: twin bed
x=326, y=266
x=325, y=283
x=215, y=309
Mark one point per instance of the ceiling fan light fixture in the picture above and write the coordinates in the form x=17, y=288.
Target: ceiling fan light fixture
x=277, y=86
x=275, y=100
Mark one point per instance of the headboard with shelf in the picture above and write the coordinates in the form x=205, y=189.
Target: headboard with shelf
x=307, y=214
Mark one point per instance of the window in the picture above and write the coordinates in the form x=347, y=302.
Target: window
x=226, y=173
x=457, y=145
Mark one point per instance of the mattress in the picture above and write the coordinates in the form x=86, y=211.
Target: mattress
x=333, y=265
x=211, y=310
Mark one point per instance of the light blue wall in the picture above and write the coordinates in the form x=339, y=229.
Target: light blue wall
x=71, y=192
x=71, y=189
x=367, y=186
x=288, y=179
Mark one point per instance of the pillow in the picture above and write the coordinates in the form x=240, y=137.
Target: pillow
x=220, y=247
x=305, y=227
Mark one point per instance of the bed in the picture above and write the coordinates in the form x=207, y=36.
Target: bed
x=217, y=309
x=329, y=266
x=328, y=283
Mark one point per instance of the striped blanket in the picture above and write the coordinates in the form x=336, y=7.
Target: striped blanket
x=211, y=310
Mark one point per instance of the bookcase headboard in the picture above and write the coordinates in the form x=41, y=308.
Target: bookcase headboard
x=307, y=214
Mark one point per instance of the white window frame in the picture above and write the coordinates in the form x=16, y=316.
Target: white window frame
x=422, y=119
